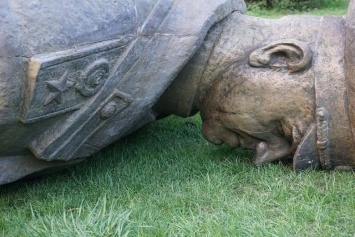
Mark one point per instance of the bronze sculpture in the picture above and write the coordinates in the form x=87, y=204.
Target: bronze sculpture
x=290, y=98
x=72, y=83
x=284, y=88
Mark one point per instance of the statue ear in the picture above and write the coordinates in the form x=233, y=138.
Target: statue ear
x=290, y=54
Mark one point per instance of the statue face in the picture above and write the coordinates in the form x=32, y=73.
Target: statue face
x=264, y=109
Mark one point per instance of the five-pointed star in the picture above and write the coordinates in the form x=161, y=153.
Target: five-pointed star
x=57, y=88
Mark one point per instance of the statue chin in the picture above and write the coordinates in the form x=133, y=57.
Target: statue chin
x=267, y=153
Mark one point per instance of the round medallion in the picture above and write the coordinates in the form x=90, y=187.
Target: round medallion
x=93, y=78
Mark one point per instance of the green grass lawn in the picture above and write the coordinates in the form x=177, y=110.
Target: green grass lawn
x=166, y=180
x=341, y=9
x=277, y=13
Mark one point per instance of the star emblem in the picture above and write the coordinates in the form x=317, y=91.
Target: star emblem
x=57, y=88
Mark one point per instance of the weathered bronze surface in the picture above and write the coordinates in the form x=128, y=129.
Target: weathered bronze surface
x=279, y=87
x=77, y=77
x=288, y=90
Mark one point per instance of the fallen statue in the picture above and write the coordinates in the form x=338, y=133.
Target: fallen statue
x=74, y=78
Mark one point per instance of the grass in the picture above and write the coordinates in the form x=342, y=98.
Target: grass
x=337, y=8
x=280, y=13
x=166, y=180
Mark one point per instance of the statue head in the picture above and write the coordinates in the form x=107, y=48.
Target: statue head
x=280, y=87
x=285, y=96
x=265, y=103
